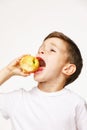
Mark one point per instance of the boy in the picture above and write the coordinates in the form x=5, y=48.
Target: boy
x=49, y=106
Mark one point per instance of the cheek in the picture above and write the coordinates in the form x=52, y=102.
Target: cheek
x=55, y=66
x=52, y=63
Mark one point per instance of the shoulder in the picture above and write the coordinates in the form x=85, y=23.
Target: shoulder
x=13, y=95
x=74, y=97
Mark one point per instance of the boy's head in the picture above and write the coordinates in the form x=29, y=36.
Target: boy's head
x=74, y=55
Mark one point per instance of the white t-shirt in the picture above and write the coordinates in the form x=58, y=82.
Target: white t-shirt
x=38, y=110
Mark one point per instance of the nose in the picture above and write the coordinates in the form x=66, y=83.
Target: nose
x=41, y=52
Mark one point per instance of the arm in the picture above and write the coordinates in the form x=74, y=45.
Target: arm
x=5, y=74
x=10, y=70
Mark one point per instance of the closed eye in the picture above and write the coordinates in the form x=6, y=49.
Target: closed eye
x=52, y=50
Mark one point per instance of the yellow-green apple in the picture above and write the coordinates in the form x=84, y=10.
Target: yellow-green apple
x=29, y=64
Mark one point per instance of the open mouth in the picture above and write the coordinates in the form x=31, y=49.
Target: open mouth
x=41, y=62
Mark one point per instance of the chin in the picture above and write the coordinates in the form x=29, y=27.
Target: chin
x=39, y=78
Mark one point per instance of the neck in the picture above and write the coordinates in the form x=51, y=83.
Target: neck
x=51, y=86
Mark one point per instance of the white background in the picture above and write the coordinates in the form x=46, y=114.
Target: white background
x=23, y=26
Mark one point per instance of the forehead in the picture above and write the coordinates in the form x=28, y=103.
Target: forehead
x=56, y=42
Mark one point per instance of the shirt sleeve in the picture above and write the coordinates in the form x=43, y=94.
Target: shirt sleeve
x=81, y=115
x=8, y=102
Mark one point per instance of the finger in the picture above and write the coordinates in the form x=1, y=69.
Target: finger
x=24, y=74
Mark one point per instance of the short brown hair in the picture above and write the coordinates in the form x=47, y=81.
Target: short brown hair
x=74, y=54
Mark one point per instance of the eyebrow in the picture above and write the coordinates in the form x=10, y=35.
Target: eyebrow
x=53, y=44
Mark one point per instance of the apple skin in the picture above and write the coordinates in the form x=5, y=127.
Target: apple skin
x=29, y=64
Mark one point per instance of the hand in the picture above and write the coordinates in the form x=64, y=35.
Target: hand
x=15, y=69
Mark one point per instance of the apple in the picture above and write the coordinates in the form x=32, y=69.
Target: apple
x=29, y=64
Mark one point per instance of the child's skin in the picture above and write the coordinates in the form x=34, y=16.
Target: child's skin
x=53, y=76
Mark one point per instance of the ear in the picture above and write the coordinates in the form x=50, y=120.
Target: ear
x=69, y=69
